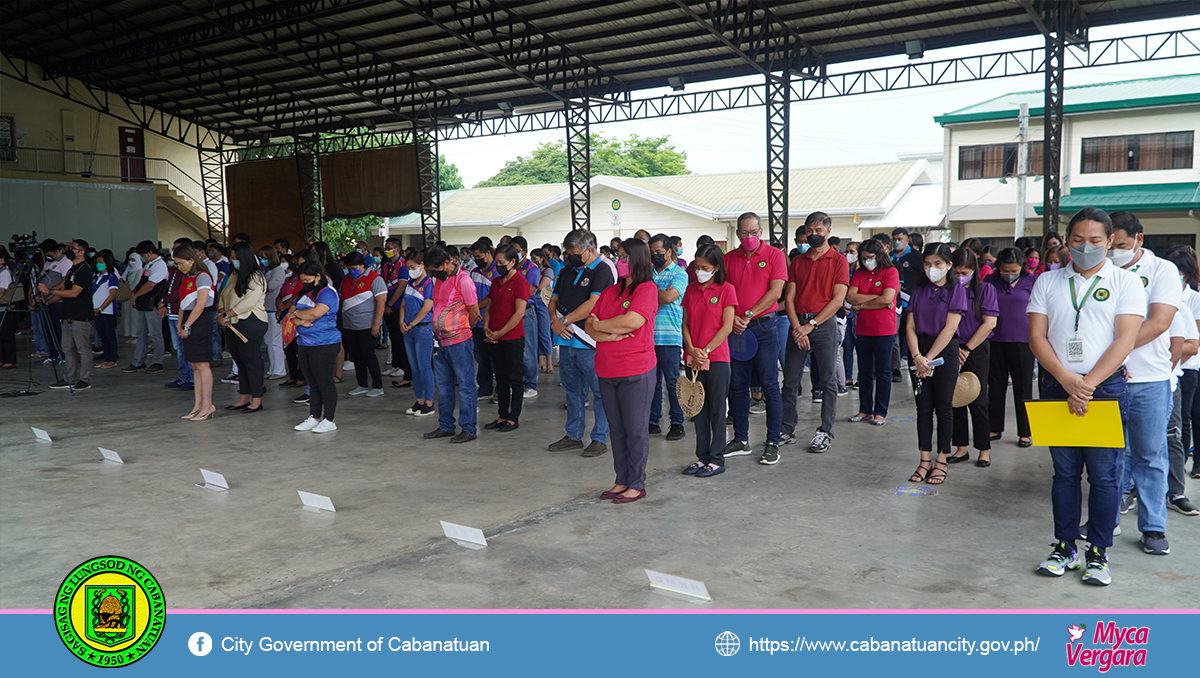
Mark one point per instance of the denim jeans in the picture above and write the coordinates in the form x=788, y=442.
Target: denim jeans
x=216, y=338
x=577, y=367
x=766, y=363
x=783, y=328
x=184, y=367
x=106, y=329
x=40, y=343
x=418, y=346
x=453, y=369
x=1104, y=473
x=543, y=326
x=1146, y=461
x=531, y=365
x=668, y=370
x=848, y=347
x=874, y=374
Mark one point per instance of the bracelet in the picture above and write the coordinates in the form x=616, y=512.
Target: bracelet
x=966, y=348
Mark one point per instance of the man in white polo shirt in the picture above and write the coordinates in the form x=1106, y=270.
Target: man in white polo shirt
x=1083, y=321
x=1149, y=365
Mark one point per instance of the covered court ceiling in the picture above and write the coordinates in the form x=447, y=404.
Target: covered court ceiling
x=253, y=68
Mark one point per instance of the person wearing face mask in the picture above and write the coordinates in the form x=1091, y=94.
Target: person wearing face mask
x=533, y=276
x=758, y=273
x=936, y=307
x=8, y=320
x=872, y=297
x=1033, y=261
x=848, y=327
x=104, y=295
x=541, y=259
x=1083, y=322
x=131, y=276
x=909, y=263
x=973, y=356
x=482, y=274
x=276, y=274
x=315, y=313
x=671, y=281
x=145, y=299
x=455, y=310
x=193, y=295
x=242, y=306
x=169, y=309
x=1011, y=360
x=1055, y=257
x=417, y=335
x=394, y=270
x=75, y=292
x=1150, y=368
x=582, y=281
x=363, y=296
x=816, y=289
x=505, y=335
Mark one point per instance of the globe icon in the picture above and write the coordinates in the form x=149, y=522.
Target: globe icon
x=728, y=644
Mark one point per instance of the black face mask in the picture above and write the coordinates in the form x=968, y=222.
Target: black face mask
x=501, y=270
x=815, y=240
x=307, y=288
x=658, y=260
x=575, y=260
x=480, y=263
x=440, y=275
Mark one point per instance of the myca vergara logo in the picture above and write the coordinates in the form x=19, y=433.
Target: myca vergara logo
x=1111, y=646
x=110, y=611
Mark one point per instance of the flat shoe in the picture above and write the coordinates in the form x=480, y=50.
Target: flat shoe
x=1024, y=443
x=509, y=426
x=622, y=499
x=997, y=436
x=983, y=463
x=252, y=410
x=609, y=494
x=955, y=460
x=244, y=406
x=860, y=417
x=494, y=424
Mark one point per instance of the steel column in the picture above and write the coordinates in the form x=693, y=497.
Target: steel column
x=778, y=134
x=579, y=164
x=426, y=143
x=212, y=180
x=308, y=169
x=1062, y=22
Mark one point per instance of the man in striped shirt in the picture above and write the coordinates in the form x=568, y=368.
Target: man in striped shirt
x=672, y=282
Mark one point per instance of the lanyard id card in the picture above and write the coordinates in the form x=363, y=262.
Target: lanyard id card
x=1075, y=344
x=1075, y=350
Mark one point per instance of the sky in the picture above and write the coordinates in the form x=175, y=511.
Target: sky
x=839, y=131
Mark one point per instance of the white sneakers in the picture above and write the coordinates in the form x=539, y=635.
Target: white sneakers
x=347, y=366
x=530, y=393
x=358, y=391
x=311, y=424
x=374, y=393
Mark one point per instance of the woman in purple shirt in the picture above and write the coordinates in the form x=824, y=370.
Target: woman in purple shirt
x=973, y=332
x=1011, y=357
x=935, y=310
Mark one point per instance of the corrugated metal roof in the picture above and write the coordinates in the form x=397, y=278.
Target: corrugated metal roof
x=1138, y=198
x=845, y=187
x=1106, y=96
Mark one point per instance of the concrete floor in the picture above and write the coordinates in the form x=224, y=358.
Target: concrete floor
x=815, y=531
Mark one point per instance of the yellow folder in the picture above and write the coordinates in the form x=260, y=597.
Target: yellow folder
x=1053, y=424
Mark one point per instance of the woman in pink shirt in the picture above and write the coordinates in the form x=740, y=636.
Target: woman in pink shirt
x=622, y=323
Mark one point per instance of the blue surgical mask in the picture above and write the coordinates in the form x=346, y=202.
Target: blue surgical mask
x=803, y=247
x=237, y=265
x=355, y=272
x=679, y=251
x=264, y=261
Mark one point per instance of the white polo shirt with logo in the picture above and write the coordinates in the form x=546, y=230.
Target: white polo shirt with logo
x=1159, y=280
x=1191, y=302
x=1118, y=292
x=1183, y=326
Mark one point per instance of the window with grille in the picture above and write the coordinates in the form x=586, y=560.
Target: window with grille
x=996, y=160
x=1137, y=152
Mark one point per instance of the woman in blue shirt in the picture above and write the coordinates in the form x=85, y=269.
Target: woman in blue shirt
x=315, y=313
x=415, y=305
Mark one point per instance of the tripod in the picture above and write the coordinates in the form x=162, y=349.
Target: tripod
x=38, y=312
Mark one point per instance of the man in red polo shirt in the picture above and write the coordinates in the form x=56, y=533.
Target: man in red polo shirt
x=816, y=288
x=757, y=272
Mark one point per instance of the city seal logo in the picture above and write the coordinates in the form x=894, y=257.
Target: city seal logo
x=1100, y=294
x=762, y=264
x=110, y=611
x=625, y=304
x=1145, y=281
x=712, y=300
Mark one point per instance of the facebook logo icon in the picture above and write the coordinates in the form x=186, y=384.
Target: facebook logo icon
x=200, y=643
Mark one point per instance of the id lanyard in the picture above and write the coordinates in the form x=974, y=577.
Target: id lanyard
x=1078, y=304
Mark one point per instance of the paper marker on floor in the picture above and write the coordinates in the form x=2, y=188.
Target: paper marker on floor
x=315, y=502
x=110, y=456
x=213, y=481
x=678, y=587
x=42, y=436
x=468, y=537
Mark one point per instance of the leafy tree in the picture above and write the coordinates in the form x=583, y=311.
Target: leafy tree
x=632, y=157
x=342, y=234
x=448, y=179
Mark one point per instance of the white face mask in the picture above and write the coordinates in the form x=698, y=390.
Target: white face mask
x=1121, y=258
x=870, y=264
x=704, y=276
x=935, y=274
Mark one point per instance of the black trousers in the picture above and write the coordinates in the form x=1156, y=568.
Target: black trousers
x=248, y=355
x=937, y=397
x=360, y=349
x=485, y=371
x=8, y=336
x=292, y=353
x=317, y=363
x=711, y=419
x=974, y=419
x=1010, y=359
x=396, y=341
x=508, y=359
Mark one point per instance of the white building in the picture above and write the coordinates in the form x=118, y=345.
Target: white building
x=691, y=205
x=1127, y=145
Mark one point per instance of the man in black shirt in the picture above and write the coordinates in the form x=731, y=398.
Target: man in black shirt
x=75, y=291
x=910, y=263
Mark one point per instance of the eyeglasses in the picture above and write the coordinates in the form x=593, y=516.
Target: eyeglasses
x=749, y=234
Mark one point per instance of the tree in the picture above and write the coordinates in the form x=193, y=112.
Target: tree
x=448, y=179
x=342, y=234
x=633, y=157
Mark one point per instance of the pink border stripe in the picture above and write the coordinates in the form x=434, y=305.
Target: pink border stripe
x=640, y=611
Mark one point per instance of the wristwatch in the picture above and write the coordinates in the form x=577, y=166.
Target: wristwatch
x=813, y=322
x=748, y=315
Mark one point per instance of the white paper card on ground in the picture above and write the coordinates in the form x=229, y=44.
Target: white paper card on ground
x=690, y=588
x=468, y=537
x=110, y=456
x=41, y=435
x=316, y=502
x=213, y=481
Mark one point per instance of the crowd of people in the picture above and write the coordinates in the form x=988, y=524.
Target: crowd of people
x=1092, y=313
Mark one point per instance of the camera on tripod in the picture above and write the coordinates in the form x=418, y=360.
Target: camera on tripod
x=22, y=248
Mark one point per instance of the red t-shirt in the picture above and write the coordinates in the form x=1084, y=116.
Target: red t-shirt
x=879, y=322
x=814, y=280
x=635, y=355
x=705, y=310
x=504, y=297
x=751, y=274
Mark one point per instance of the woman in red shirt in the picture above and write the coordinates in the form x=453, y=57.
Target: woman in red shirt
x=504, y=334
x=709, y=305
x=872, y=297
x=622, y=323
